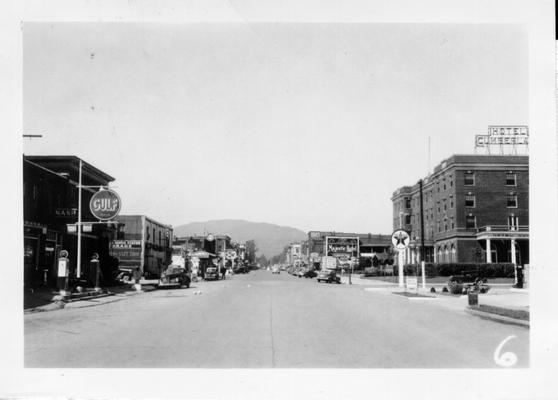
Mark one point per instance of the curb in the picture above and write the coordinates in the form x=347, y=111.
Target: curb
x=498, y=318
x=60, y=304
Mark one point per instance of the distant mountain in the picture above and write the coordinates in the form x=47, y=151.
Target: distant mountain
x=270, y=239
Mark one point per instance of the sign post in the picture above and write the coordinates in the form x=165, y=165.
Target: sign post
x=400, y=240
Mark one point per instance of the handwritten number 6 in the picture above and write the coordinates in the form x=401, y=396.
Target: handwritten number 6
x=508, y=359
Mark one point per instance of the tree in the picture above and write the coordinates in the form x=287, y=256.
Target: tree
x=251, y=250
x=262, y=260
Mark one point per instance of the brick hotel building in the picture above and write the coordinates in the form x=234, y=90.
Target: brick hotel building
x=471, y=203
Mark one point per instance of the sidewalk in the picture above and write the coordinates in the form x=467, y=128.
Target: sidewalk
x=46, y=299
x=499, y=295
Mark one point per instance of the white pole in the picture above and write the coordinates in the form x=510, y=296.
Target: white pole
x=423, y=268
x=400, y=264
x=78, y=263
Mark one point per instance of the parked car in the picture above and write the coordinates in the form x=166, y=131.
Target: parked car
x=211, y=273
x=328, y=276
x=310, y=273
x=275, y=270
x=175, y=275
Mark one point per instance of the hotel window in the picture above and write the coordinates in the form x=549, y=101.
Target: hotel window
x=407, y=202
x=451, y=202
x=153, y=235
x=469, y=178
x=513, y=223
x=511, y=179
x=512, y=201
x=470, y=200
x=407, y=219
x=470, y=222
x=452, y=223
x=445, y=205
x=159, y=238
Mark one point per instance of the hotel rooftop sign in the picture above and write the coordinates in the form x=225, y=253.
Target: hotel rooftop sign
x=503, y=135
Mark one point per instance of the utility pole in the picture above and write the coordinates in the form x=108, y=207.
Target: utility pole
x=78, y=263
x=422, y=235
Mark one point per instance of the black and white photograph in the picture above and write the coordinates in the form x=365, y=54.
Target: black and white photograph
x=285, y=199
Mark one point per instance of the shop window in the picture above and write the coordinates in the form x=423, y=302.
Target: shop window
x=511, y=179
x=470, y=222
x=512, y=201
x=470, y=200
x=469, y=178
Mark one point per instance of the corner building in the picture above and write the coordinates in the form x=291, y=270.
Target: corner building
x=475, y=207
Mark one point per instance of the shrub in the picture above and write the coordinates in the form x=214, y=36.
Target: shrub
x=493, y=270
x=445, y=289
x=433, y=290
x=456, y=288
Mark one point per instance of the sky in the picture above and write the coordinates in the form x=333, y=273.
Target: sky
x=312, y=126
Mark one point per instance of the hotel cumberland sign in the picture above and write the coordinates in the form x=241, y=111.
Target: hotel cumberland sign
x=501, y=135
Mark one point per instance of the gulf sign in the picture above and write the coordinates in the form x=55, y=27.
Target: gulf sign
x=105, y=204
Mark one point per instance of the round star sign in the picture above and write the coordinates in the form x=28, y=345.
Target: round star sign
x=400, y=239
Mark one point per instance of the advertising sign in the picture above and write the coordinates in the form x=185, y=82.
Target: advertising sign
x=66, y=212
x=412, y=282
x=126, y=250
x=486, y=140
x=342, y=247
x=400, y=239
x=105, y=204
x=499, y=135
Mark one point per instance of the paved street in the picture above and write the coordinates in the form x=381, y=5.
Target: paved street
x=265, y=320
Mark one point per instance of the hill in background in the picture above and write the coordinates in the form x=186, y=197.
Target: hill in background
x=270, y=238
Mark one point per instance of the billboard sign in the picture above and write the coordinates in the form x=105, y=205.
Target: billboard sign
x=126, y=250
x=501, y=135
x=105, y=204
x=342, y=247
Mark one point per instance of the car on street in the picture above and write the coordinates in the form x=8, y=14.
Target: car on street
x=328, y=276
x=275, y=270
x=310, y=273
x=175, y=275
x=211, y=273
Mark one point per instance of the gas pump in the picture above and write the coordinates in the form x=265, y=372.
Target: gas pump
x=63, y=272
x=95, y=265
